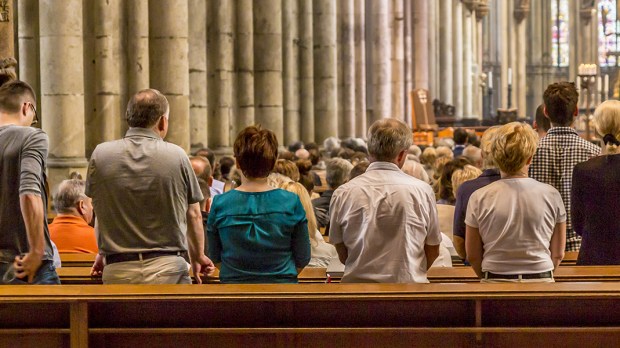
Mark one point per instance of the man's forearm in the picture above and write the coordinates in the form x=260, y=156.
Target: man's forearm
x=195, y=231
x=32, y=212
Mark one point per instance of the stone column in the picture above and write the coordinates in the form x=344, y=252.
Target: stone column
x=306, y=70
x=398, y=59
x=457, y=57
x=445, y=52
x=107, y=117
x=198, y=74
x=325, y=73
x=138, y=67
x=28, y=44
x=504, y=10
x=421, y=30
x=290, y=37
x=521, y=12
x=268, y=66
x=433, y=46
x=169, y=63
x=360, y=68
x=468, y=87
x=7, y=33
x=381, y=64
x=62, y=86
x=347, y=45
x=244, y=60
x=220, y=65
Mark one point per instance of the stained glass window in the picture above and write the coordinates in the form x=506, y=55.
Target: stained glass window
x=559, y=28
x=607, y=29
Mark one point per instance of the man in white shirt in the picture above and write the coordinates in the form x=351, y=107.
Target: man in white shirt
x=384, y=222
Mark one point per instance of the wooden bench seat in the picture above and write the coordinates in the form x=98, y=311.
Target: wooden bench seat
x=365, y=315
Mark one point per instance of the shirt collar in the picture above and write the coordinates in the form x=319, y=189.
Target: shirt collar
x=383, y=166
x=142, y=132
x=490, y=172
x=69, y=219
x=562, y=131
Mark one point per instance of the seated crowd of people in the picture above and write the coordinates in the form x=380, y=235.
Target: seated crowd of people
x=509, y=203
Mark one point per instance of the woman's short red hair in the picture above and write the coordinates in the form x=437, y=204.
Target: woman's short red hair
x=256, y=151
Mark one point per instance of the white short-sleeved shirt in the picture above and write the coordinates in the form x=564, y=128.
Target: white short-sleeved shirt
x=384, y=217
x=516, y=218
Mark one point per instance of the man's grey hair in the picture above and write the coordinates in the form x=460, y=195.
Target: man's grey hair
x=330, y=144
x=388, y=137
x=473, y=153
x=337, y=172
x=69, y=193
x=415, y=150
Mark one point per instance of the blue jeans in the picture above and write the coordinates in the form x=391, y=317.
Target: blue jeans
x=46, y=275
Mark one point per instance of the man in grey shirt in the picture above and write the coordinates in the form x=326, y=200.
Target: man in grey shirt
x=146, y=199
x=25, y=247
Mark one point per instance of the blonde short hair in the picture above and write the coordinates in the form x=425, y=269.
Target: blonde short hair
x=429, y=155
x=459, y=176
x=513, y=145
x=302, y=193
x=485, y=145
x=607, y=121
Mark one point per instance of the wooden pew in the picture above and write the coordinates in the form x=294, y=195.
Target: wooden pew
x=365, y=315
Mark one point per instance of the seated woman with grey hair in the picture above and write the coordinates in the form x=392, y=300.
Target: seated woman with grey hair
x=595, y=193
x=516, y=226
x=337, y=173
x=70, y=230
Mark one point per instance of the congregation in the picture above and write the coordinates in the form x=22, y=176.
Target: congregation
x=508, y=203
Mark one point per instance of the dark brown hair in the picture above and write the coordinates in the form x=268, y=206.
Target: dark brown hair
x=12, y=95
x=561, y=102
x=542, y=122
x=256, y=151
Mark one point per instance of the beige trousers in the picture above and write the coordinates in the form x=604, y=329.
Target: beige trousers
x=160, y=270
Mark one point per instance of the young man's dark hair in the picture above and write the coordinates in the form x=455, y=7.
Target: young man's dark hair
x=542, y=122
x=12, y=95
x=460, y=136
x=561, y=103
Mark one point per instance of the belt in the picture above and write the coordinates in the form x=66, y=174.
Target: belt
x=125, y=257
x=542, y=275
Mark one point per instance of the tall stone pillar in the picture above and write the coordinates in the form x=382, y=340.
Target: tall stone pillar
x=62, y=86
x=325, y=73
x=521, y=12
x=503, y=47
x=244, y=60
x=468, y=87
x=360, y=68
x=220, y=65
x=169, y=63
x=290, y=37
x=268, y=66
x=107, y=117
x=7, y=33
x=306, y=70
x=28, y=44
x=421, y=30
x=445, y=52
x=433, y=49
x=198, y=74
x=381, y=64
x=398, y=59
x=138, y=67
x=457, y=57
x=347, y=45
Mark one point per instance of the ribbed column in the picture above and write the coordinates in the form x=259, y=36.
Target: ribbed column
x=457, y=57
x=421, y=41
x=398, y=59
x=244, y=60
x=325, y=71
x=7, y=34
x=468, y=88
x=360, y=68
x=347, y=45
x=381, y=63
x=220, y=65
x=62, y=86
x=268, y=65
x=306, y=70
x=106, y=119
x=198, y=74
x=290, y=37
x=445, y=52
x=433, y=45
x=169, y=66
x=137, y=13
x=28, y=43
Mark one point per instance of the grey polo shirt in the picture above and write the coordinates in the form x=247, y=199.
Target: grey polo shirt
x=141, y=187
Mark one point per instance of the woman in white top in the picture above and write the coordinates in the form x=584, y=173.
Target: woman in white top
x=516, y=226
x=321, y=253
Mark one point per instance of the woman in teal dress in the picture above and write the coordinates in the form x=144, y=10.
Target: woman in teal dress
x=257, y=234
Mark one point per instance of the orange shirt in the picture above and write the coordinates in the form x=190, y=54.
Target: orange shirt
x=73, y=235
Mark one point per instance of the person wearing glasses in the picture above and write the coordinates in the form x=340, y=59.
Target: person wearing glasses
x=26, y=254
